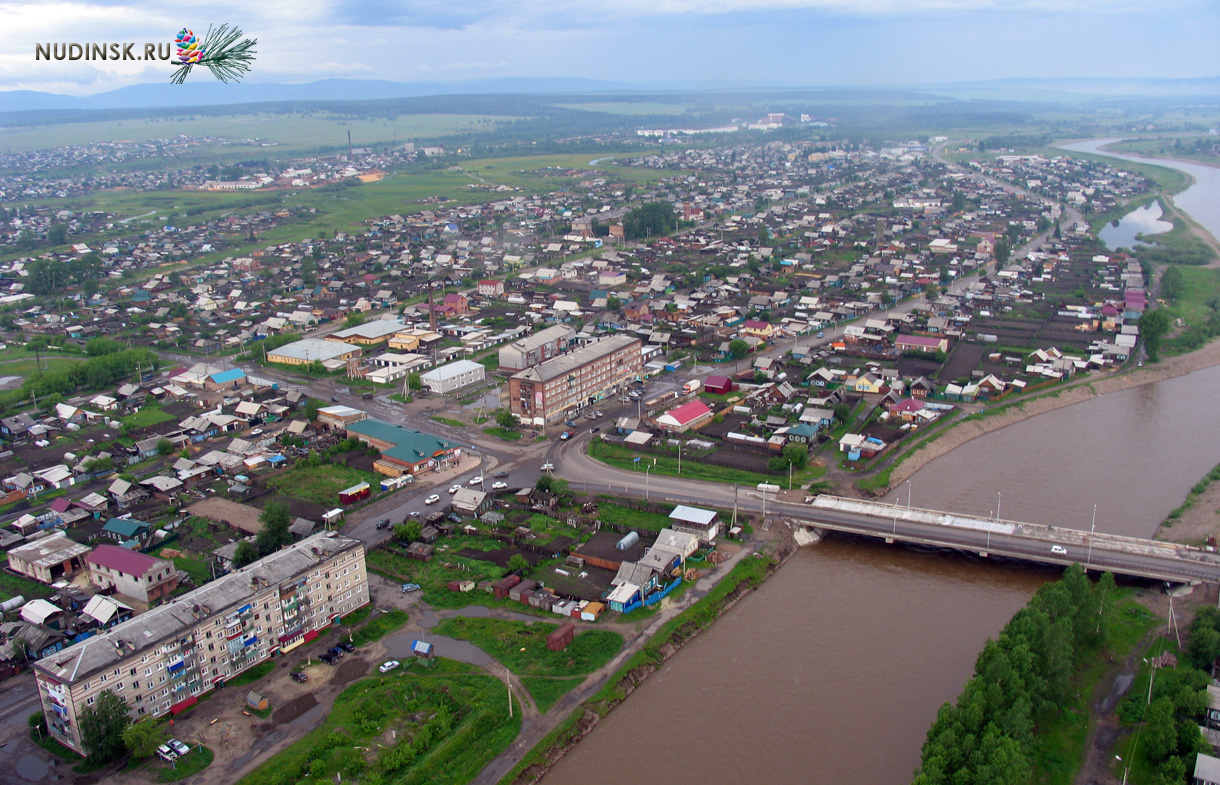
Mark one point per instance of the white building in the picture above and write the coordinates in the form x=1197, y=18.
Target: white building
x=453, y=376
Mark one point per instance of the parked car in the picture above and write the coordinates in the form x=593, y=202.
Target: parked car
x=433, y=499
x=594, y=429
x=498, y=485
x=476, y=480
x=386, y=667
x=384, y=523
x=299, y=676
x=166, y=754
x=334, y=399
x=346, y=646
x=329, y=659
x=454, y=489
x=407, y=588
x=179, y=747
x=256, y=432
x=414, y=513
x=500, y=474
x=335, y=650
x=570, y=423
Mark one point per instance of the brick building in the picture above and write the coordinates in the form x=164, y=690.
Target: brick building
x=559, y=387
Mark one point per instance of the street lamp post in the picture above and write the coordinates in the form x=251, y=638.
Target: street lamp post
x=1088, y=560
x=998, y=498
x=989, y=534
x=646, y=469
x=897, y=501
x=908, y=494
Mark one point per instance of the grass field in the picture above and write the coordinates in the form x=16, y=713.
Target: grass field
x=624, y=516
x=547, y=692
x=292, y=132
x=321, y=484
x=624, y=458
x=15, y=585
x=522, y=647
x=147, y=417
x=408, y=728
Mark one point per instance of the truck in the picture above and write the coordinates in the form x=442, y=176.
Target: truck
x=692, y=386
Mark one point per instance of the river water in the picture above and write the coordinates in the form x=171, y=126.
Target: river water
x=1142, y=220
x=832, y=671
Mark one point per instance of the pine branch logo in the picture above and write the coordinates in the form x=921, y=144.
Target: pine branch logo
x=222, y=51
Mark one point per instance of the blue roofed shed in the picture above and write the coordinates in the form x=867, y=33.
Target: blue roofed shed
x=231, y=378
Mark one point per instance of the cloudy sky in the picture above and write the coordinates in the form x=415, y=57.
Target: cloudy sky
x=706, y=43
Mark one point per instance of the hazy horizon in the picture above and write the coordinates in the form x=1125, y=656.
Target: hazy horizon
x=705, y=45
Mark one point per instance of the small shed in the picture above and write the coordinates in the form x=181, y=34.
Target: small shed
x=256, y=701
x=501, y=587
x=592, y=611
x=515, y=592
x=422, y=649
x=560, y=638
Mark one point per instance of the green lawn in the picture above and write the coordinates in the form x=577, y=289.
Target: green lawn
x=449, y=421
x=321, y=484
x=198, y=759
x=547, y=692
x=147, y=417
x=522, y=647
x=380, y=626
x=432, y=576
x=624, y=458
x=503, y=433
x=15, y=585
x=252, y=675
x=625, y=516
x=409, y=728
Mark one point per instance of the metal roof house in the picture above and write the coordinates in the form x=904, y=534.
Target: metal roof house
x=697, y=521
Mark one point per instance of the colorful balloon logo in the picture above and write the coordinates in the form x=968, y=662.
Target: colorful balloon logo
x=190, y=48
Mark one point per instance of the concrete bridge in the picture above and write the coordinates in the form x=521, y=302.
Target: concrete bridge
x=1035, y=542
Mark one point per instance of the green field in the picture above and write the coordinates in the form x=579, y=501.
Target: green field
x=522, y=647
x=547, y=692
x=292, y=132
x=410, y=727
x=321, y=484
x=147, y=417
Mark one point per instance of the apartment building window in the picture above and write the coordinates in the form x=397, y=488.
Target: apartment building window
x=89, y=701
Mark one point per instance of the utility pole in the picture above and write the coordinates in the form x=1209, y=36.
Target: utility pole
x=1088, y=559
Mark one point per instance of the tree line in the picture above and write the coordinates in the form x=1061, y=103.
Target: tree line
x=96, y=373
x=989, y=736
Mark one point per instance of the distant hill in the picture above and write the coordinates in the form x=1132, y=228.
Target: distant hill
x=205, y=91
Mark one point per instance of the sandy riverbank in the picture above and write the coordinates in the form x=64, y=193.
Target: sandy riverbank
x=1081, y=391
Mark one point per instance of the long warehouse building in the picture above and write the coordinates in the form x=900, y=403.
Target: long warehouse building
x=161, y=661
x=549, y=392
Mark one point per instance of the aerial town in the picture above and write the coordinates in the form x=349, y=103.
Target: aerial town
x=268, y=479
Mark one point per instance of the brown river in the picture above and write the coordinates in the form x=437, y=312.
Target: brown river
x=832, y=671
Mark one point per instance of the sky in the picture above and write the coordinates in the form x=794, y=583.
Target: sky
x=690, y=43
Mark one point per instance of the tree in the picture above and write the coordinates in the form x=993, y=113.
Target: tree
x=311, y=409
x=274, y=535
x=796, y=454
x=738, y=348
x=1160, y=736
x=518, y=564
x=245, y=554
x=408, y=531
x=354, y=319
x=102, y=725
x=649, y=219
x=1002, y=250
x=1153, y=326
x=506, y=419
x=143, y=738
x=164, y=447
x=57, y=234
x=414, y=382
x=1172, y=283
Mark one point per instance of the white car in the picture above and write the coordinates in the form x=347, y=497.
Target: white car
x=499, y=486
x=166, y=754
x=1059, y=550
x=548, y=467
x=179, y=747
x=433, y=499
x=476, y=480
x=454, y=489
x=386, y=667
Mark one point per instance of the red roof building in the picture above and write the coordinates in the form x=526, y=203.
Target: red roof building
x=131, y=573
x=689, y=415
x=720, y=385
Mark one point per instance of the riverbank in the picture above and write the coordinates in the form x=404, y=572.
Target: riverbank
x=746, y=576
x=1079, y=392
